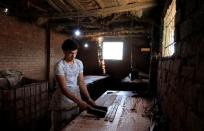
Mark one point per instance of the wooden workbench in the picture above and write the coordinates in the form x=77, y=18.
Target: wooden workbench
x=129, y=116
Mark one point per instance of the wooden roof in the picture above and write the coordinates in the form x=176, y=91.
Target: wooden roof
x=93, y=17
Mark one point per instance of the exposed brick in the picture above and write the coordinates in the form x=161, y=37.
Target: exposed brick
x=201, y=101
x=199, y=73
x=200, y=2
x=181, y=85
x=178, y=17
x=159, y=64
x=188, y=72
x=190, y=6
x=201, y=47
x=180, y=117
x=186, y=28
x=192, y=61
x=189, y=94
x=177, y=49
x=193, y=122
x=171, y=65
x=198, y=19
x=188, y=49
x=23, y=47
x=176, y=66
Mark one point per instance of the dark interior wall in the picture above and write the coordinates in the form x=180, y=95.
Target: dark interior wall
x=140, y=61
x=180, y=78
x=117, y=69
x=22, y=47
x=89, y=57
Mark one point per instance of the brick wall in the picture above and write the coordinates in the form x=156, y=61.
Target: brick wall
x=56, y=53
x=181, y=78
x=22, y=47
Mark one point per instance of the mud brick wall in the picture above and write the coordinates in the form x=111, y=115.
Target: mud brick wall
x=56, y=53
x=181, y=77
x=22, y=47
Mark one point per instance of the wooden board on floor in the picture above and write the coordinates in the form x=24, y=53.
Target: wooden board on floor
x=129, y=115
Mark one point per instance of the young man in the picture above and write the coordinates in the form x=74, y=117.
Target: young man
x=66, y=102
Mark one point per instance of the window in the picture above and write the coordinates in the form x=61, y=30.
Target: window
x=168, y=42
x=113, y=50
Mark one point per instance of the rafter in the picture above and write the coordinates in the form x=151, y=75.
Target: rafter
x=100, y=3
x=105, y=11
x=62, y=5
x=53, y=5
x=76, y=4
x=123, y=32
x=121, y=2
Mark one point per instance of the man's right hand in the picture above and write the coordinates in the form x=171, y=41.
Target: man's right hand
x=83, y=105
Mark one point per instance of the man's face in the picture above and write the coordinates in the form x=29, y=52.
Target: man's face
x=70, y=55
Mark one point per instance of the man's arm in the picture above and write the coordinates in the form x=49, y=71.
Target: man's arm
x=84, y=90
x=62, y=83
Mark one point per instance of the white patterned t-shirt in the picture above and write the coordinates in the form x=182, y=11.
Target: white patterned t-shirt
x=71, y=73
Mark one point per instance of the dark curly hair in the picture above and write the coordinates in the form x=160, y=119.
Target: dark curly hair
x=69, y=45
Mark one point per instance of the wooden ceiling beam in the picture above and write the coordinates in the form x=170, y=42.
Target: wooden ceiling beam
x=121, y=2
x=36, y=7
x=62, y=5
x=76, y=4
x=118, y=35
x=53, y=5
x=115, y=33
x=105, y=11
x=100, y=3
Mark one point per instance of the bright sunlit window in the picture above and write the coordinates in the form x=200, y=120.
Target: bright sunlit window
x=113, y=50
x=168, y=44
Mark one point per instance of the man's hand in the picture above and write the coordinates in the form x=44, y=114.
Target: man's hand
x=83, y=105
x=91, y=102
